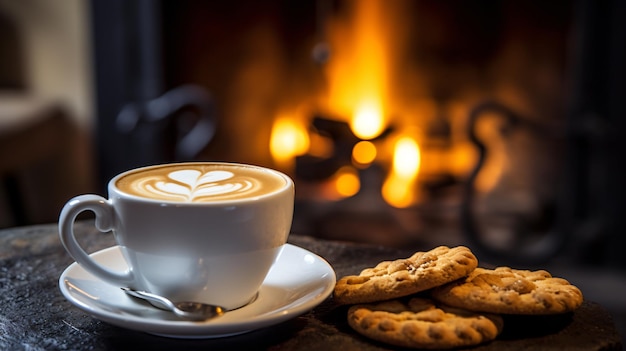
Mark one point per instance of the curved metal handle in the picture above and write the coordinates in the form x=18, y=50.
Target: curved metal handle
x=543, y=249
x=179, y=103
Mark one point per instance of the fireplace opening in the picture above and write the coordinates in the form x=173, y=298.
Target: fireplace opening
x=403, y=123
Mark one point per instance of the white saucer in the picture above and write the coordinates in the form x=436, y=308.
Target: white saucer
x=298, y=281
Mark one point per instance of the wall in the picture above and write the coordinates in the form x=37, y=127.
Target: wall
x=47, y=147
x=57, y=51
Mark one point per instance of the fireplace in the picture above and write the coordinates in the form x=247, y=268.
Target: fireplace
x=402, y=122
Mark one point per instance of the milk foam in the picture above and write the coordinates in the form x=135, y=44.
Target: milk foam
x=199, y=184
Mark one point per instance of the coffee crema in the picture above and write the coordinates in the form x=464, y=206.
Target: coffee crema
x=198, y=182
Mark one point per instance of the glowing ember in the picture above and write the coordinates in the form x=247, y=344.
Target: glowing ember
x=367, y=122
x=406, y=158
x=288, y=140
x=399, y=187
x=364, y=153
x=347, y=181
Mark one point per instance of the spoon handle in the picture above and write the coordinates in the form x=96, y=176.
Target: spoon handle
x=165, y=303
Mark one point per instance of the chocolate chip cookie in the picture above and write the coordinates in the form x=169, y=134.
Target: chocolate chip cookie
x=423, y=323
x=511, y=291
x=402, y=277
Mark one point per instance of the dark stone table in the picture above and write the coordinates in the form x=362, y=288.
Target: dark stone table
x=35, y=316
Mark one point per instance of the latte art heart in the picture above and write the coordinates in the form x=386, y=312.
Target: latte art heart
x=191, y=185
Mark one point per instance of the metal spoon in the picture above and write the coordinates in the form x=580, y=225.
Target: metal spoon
x=195, y=311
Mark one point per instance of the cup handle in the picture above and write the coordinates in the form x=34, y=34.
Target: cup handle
x=105, y=219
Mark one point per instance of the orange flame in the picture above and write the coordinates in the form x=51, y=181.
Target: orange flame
x=288, y=140
x=357, y=73
x=347, y=181
x=399, y=187
x=364, y=153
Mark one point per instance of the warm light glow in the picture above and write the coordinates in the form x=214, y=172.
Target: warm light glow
x=347, y=181
x=364, y=152
x=358, y=73
x=399, y=187
x=367, y=122
x=462, y=158
x=320, y=146
x=496, y=164
x=406, y=158
x=398, y=192
x=288, y=140
x=344, y=183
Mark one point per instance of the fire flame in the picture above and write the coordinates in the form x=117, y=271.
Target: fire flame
x=358, y=72
x=364, y=153
x=288, y=140
x=367, y=122
x=347, y=181
x=399, y=187
x=358, y=91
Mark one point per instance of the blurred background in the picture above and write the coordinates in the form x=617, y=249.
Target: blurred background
x=495, y=124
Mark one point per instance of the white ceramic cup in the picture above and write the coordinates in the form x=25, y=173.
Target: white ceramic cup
x=204, y=231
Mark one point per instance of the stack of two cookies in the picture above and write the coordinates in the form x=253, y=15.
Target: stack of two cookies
x=441, y=299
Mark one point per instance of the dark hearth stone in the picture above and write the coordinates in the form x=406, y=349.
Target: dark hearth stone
x=35, y=316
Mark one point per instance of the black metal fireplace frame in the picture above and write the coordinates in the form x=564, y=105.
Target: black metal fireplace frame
x=589, y=225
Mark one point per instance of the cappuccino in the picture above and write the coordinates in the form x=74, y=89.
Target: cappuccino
x=200, y=182
x=201, y=231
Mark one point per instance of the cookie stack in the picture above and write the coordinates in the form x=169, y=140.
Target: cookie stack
x=441, y=299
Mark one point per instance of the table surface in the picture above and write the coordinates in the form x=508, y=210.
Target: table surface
x=35, y=316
